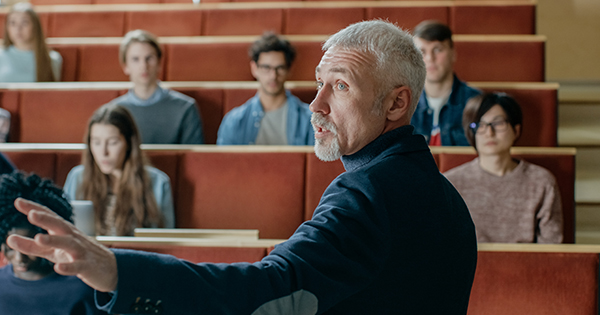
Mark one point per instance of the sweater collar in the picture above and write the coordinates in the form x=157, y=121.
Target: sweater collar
x=402, y=138
x=155, y=98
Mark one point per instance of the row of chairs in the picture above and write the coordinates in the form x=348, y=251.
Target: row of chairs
x=272, y=189
x=292, y=17
x=508, y=58
x=38, y=108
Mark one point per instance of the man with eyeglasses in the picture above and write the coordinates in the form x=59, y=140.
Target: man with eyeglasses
x=273, y=116
x=439, y=113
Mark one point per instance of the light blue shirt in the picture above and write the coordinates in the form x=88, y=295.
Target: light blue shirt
x=19, y=65
x=241, y=124
x=161, y=187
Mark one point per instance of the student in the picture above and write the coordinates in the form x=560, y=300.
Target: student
x=273, y=116
x=126, y=191
x=510, y=200
x=25, y=56
x=29, y=284
x=163, y=116
x=439, y=113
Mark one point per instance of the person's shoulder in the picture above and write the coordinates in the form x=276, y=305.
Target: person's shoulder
x=462, y=167
x=466, y=89
x=180, y=98
x=122, y=100
x=536, y=172
x=76, y=171
x=156, y=174
x=239, y=112
x=55, y=56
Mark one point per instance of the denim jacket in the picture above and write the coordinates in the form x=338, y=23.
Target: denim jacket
x=241, y=124
x=450, y=122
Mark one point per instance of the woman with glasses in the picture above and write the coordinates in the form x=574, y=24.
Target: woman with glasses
x=510, y=200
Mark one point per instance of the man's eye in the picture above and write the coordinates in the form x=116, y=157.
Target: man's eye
x=341, y=86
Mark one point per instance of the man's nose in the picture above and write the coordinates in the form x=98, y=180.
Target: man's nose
x=320, y=103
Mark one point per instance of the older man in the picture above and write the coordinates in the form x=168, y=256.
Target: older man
x=390, y=235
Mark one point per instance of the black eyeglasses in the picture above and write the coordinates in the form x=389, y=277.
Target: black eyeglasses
x=497, y=126
x=267, y=69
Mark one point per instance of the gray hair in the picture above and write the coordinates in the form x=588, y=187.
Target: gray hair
x=399, y=62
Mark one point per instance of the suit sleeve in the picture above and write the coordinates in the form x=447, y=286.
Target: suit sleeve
x=328, y=259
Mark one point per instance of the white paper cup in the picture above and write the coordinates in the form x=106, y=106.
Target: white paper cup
x=83, y=215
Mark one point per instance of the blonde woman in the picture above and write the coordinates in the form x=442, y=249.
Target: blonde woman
x=25, y=56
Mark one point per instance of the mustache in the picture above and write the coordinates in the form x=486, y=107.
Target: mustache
x=318, y=119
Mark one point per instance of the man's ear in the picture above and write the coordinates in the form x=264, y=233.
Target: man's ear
x=253, y=68
x=517, y=133
x=400, y=99
x=125, y=70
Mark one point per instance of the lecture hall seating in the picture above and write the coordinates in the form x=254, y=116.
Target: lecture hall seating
x=272, y=189
x=37, y=108
x=285, y=17
x=518, y=58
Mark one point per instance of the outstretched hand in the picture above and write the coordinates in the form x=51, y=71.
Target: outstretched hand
x=73, y=252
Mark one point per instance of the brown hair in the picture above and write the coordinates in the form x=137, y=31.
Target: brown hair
x=432, y=31
x=138, y=36
x=40, y=49
x=135, y=204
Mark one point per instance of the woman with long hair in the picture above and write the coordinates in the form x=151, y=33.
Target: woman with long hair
x=25, y=56
x=126, y=191
x=510, y=200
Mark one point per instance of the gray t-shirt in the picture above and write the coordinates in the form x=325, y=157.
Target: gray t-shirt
x=273, y=127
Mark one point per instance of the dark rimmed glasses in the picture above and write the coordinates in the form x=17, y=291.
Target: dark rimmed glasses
x=280, y=70
x=497, y=126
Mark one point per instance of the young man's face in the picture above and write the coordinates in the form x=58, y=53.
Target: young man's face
x=345, y=110
x=271, y=72
x=141, y=64
x=439, y=59
x=24, y=266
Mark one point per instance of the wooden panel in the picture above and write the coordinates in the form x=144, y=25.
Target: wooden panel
x=409, y=17
x=166, y=23
x=66, y=122
x=242, y=21
x=229, y=190
x=535, y=283
x=500, y=19
x=40, y=163
x=331, y=20
x=100, y=63
x=208, y=62
x=87, y=24
x=501, y=61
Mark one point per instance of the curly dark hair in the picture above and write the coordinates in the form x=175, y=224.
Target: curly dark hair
x=31, y=187
x=269, y=41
